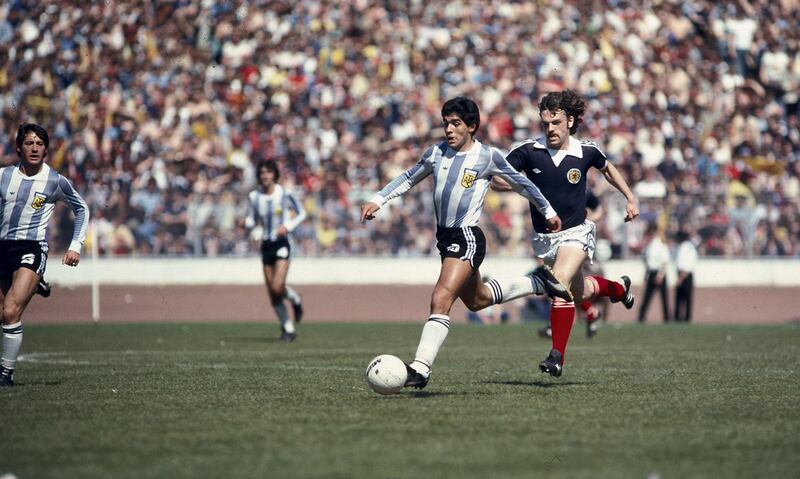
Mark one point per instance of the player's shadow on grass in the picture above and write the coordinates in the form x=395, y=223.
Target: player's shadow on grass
x=18, y=384
x=253, y=339
x=540, y=384
x=430, y=394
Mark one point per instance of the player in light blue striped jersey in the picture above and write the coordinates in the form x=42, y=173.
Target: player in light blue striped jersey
x=28, y=192
x=462, y=168
x=270, y=208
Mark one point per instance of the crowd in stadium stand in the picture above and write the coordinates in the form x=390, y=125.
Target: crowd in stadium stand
x=158, y=112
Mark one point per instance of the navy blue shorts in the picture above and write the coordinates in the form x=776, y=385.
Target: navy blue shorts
x=467, y=243
x=272, y=251
x=16, y=254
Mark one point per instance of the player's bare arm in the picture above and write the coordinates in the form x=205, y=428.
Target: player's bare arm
x=499, y=184
x=368, y=211
x=614, y=177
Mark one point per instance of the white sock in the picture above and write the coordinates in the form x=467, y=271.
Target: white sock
x=292, y=295
x=12, y=342
x=283, y=317
x=433, y=335
x=505, y=290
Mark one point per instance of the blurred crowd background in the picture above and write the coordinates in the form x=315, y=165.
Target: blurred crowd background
x=158, y=112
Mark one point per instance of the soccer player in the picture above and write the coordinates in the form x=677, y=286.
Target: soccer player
x=269, y=208
x=462, y=168
x=28, y=192
x=593, y=309
x=558, y=164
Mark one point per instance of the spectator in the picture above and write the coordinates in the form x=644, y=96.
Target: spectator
x=193, y=95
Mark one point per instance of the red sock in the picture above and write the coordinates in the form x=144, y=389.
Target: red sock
x=587, y=308
x=606, y=287
x=562, y=315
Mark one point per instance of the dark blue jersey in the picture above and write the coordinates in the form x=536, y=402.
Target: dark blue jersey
x=560, y=175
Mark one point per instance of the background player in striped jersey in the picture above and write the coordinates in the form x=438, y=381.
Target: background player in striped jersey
x=28, y=192
x=269, y=208
x=462, y=168
x=558, y=164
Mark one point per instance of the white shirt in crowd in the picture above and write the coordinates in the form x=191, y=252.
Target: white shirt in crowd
x=686, y=257
x=656, y=255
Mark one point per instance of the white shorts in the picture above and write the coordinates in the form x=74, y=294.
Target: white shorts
x=545, y=245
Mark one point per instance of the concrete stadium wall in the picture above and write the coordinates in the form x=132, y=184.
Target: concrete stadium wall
x=710, y=273
x=368, y=289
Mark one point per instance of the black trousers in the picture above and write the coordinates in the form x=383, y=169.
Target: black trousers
x=684, y=292
x=649, y=288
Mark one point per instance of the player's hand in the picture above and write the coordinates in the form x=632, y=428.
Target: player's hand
x=632, y=210
x=499, y=184
x=71, y=258
x=554, y=224
x=368, y=211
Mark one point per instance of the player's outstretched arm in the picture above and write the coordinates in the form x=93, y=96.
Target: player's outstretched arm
x=520, y=183
x=614, y=177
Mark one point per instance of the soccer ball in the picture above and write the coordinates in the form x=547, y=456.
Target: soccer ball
x=386, y=374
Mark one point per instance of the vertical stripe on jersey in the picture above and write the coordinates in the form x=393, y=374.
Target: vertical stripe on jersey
x=450, y=183
x=36, y=219
x=268, y=217
x=24, y=191
x=472, y=198
x=5, y=180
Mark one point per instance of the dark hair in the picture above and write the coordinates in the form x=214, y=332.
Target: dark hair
x=465, y=108
x=270, y=165
x=569, y=101
x=26, y=128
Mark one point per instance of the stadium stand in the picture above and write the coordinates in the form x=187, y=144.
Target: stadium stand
x=159, y=110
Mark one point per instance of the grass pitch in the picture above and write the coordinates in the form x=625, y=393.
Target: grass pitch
x=228, y=400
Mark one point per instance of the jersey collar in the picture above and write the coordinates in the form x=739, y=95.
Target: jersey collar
x=573, y=149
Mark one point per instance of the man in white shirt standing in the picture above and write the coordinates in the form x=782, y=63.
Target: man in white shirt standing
x=656, y=259
x=685, y=262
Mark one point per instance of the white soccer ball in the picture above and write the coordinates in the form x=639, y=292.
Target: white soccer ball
x=386, y=374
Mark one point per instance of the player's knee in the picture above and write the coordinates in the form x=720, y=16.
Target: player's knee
x=441, y=300
x=11, y=314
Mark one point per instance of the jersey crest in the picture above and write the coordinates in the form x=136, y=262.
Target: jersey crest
x=39, y=200
x=469, y=177
x=574, y=176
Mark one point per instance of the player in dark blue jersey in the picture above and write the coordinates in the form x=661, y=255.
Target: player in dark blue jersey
x=558, y=164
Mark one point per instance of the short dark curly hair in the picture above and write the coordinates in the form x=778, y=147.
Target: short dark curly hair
x=567, y=100
x=465, y=108
x=26, y=128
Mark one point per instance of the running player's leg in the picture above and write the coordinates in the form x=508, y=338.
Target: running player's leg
x=562, y=313
x=454, y=275
x=502, y=290
x=16, y=297
x=275, y=278
x=297, y=303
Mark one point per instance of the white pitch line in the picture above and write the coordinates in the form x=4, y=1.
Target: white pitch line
x=62, y=357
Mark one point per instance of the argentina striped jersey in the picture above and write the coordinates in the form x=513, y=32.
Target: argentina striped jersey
x=461, y=180
x=27, y=203
x=271, y=211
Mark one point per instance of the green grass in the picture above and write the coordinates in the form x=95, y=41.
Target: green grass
x=227, y=400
